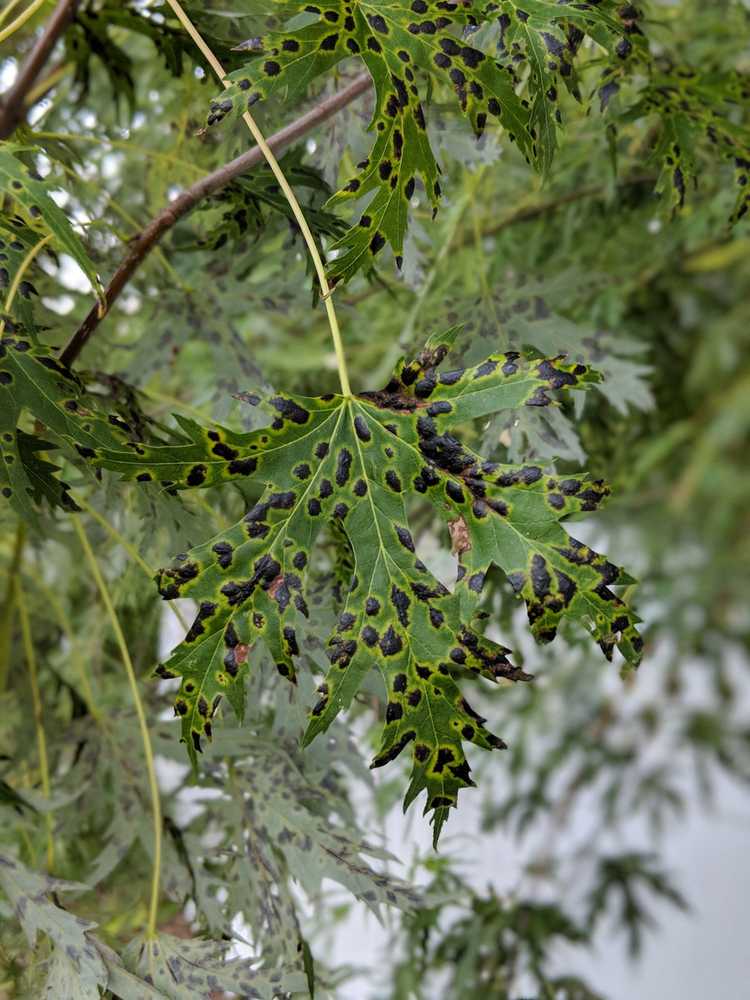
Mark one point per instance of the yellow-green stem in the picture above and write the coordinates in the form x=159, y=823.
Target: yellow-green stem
x=8, y=10
x=9, y=605
x=36, y=699
x=288, y=194
x=22, y=18
x=18, y=277
x=140, y=712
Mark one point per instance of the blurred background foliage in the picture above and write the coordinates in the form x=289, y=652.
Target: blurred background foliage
x=589, y=261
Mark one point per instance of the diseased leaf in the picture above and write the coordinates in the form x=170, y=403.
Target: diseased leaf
x=355, y=462
x=65, y=980
x=545, y=37
x=286, y=814
x=401, y=42
x=29, y=894
x=29, y=190
x=30, y=477
x=692, y=107
x=16, y=241
x=194, y=969
x=247, y=201
x=33, y=380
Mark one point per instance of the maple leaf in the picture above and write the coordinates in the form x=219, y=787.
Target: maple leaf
x=34, y=900
x=33, y=380
x=691, y=107
x=355, y=461
x=30, y=193
x=402, y=43
x=195, y=969
x=397, y=41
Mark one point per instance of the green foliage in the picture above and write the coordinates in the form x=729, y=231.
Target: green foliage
x=398, y=42
x=357, y=462
x=25, y=187
x=562, y=271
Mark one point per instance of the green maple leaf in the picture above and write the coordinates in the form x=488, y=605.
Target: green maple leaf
x=356, y=461
x=692, y=109
x=195, y=969
x=398, y=43
x=545, y=37
x=30, y=193
x=33, y=381
x=403, y=43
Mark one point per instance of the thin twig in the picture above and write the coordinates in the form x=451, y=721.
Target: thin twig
x=13, y=106
x=287, y=191
x=36, y=699
x=140, y=712
x=142, y=245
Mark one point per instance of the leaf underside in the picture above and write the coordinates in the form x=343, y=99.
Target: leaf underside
x=353, y=463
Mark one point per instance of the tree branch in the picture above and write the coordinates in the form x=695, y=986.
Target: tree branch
x=142, y=244
x=13, y=106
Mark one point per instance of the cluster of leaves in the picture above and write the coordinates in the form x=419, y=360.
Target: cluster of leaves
x=503, y=61
x=347, y=558
x=507, y=947
x=402, y=43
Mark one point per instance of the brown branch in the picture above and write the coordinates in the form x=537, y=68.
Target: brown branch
x=13, y=106
x=142, y=244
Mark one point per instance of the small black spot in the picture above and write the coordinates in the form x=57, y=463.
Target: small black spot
x=290, y=410
x=360, y=488
x=363, y=431
x=393, y=712
x=444, y=756
x=302, y=471
x=372, y=606
x=197, y=475
x=442, y=406
x=405, y=538
x=401, y=603
x=329, y=42
x=313, y=507
x=224, y=451
x=243, y=466
x=454, y=491
x=224, y=551
x=421, y=752
x=458, y=655
x=390, y=643
x=271, y=68
x=377, y=243
x=343, y=465
x=540, y=578
x=369, y=635
x=322, y=450
x=393, y=481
